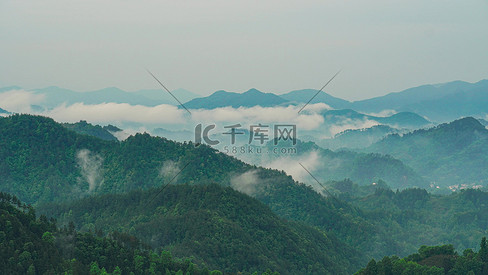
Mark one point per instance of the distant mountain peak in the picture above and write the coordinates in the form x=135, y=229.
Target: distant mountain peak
x=465, y=124
x=250, y=98
x=253, y=91
x=220, y=92
x=111, y=89
x=304, y=96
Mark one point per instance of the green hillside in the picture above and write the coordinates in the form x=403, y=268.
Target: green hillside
x=219, y=227
x=31, y=245
x=43, y=162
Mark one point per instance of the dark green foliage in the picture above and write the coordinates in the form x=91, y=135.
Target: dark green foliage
x=137, y=163
x=40, y=164
x=417, y=218
x=38, y=158
x=36, y=246
x=431, y=260
x=24, y=240
x=218, y=226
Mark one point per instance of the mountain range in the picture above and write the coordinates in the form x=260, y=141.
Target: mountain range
x=55, y=96
x=437, y=103
x=440, y=103
x=399, y=120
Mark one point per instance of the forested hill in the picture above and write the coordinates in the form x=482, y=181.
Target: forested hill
x=42, y=162
x=31, y=245
x=450, y=154
x=45, y=162
x=219, y=227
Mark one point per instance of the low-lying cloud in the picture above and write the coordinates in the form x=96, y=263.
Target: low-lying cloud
x=169, y=170
x=117, y=112
x=20, y=101
x=291, y=165
x=384, y=113
x=351, y=124
x=246, y=183
x=91, y=166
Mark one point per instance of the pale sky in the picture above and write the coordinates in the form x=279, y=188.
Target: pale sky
x=275, y=46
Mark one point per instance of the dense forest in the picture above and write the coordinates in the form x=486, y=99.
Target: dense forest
x=433, y=260
x=106, y=186
x=35, y=245
x=218, y=226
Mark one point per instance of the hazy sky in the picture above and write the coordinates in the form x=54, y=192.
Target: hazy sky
x=274, y=46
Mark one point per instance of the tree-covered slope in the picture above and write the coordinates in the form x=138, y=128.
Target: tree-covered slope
x=415, y=217
x=39, y=158
x=218, y=226
x=45, y=162
x=433, y=260
x=31, y=245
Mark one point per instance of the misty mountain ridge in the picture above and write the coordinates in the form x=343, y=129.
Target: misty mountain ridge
x=451, y=154
x=249, y=98
x=437, y=102
x=55, y=96
x=303, y=96
x=356, y=138
x=440, y=103
x=399, y=120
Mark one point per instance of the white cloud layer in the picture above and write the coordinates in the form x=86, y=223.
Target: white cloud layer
x=20, y=101
x=117, y=112
x=291, y=165
x=352, y=124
